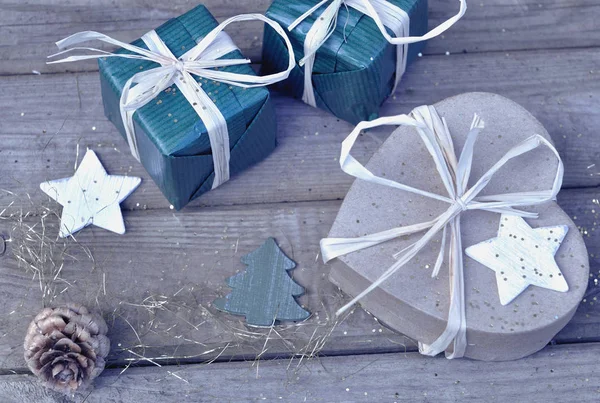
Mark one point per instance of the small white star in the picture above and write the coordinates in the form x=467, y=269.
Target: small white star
x=91, y=196
x=522, y=256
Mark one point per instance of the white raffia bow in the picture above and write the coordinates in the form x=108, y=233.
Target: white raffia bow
x=385, y=15
x=455, y=175
x=201, y=61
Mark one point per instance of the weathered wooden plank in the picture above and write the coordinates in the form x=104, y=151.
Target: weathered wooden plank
x=556, y=374
x=28, y=30
x=151, y=282
x=583, y=205
x=44, y=118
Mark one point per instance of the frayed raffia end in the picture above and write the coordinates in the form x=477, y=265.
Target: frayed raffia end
x=33, y=241
x=300, y=342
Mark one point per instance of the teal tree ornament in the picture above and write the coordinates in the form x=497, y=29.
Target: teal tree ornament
x=265, y=292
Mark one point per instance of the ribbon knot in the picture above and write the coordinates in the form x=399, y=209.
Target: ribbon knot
x=385, y=14
x=201, y=61
x=461, y=203
x=455, y=173
x=179, y=66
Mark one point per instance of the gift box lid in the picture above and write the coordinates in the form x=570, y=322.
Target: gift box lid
x=416, y=304
x=356, y=41
x=169, y=120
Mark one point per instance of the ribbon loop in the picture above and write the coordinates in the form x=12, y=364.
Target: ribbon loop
x=200, y=61
x=385, y=14
x=455, y=173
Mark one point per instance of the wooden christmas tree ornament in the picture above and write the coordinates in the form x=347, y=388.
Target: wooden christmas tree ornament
x=265, y=292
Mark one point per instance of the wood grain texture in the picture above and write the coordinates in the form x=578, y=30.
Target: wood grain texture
x=45, y=117
x=556, y=374
x=154, y=281
x=583, y=205
x=155, y=284
x=28, y=30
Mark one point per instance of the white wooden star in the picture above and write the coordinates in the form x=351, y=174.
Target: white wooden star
x=522, y=256
x=91, y=196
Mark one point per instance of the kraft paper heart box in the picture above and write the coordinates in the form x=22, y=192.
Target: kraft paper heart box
x=509, y=311
x=172, y=140
x=355, y=69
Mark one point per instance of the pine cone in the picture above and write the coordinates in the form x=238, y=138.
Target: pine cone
x=65, y=347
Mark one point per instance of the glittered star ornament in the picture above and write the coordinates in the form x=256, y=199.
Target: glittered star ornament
x=522, y=256
x=91, y=196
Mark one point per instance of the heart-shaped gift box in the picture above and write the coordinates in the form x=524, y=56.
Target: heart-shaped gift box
x=413, y=302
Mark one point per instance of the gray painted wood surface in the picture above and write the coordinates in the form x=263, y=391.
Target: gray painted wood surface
x=557, y=374
x=542, y=54
x=28, y=30
x=557, y=87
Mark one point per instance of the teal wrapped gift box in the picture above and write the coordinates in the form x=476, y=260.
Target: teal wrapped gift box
x=354, y=71
x=173, y=142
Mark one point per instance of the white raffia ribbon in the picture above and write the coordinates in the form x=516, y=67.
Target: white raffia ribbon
x=385, y=15
x=455, y=175
x=200, y=61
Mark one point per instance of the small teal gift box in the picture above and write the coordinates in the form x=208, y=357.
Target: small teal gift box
x=355, y=69
x=172, y=141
